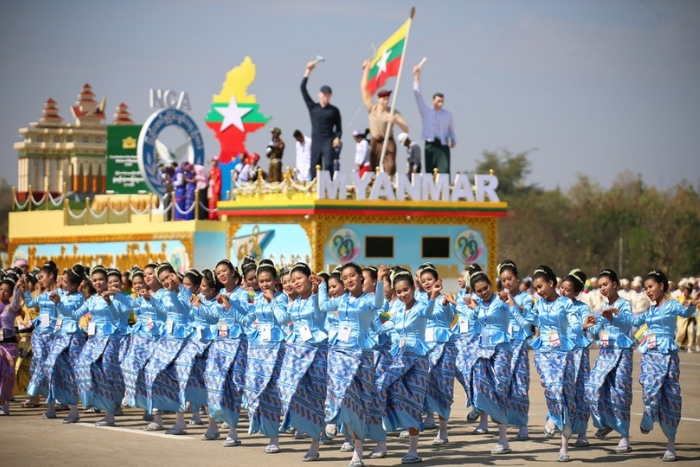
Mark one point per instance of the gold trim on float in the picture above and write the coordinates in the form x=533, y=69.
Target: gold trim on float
x=187, y=241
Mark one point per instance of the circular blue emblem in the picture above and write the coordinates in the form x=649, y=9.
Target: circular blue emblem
x=148, y=140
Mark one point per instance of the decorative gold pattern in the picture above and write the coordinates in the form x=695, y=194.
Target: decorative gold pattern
x=131, y=257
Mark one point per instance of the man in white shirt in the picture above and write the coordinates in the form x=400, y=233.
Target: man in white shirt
x=362, y=152
x=594, y=299
x=639, y=300
x=303, y=146
x=625, y=290
x=438, y=129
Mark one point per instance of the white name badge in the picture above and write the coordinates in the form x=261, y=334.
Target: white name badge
x=510, y=329
x=149, y=323
x=344, y=333
x=59, y=323
x=463, y=327
x=305, y=333
x=265, y=332
x=92, y=328
x=485, y=339
x=429, y=334
x=199, y=332
x=45, y=320
x=21, y=326
x=554, y=339
x=223, y=329
x=604, y=338
x=169, y=325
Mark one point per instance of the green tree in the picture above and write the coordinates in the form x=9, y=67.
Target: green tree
x=511, y=169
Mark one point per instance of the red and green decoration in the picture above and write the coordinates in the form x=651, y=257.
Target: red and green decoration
x=231, y=122
x=387, y=62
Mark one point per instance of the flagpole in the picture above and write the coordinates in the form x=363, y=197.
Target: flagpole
x=396, y=89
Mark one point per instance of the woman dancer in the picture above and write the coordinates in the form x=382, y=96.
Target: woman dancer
x=302, y=381
x=69, y=339
x=492, y=370
x=265, y=355
x=191, y=360
x=467, y=345
x=99, y=377
x=519, y=388
x=206, y=329
x=335, y=290
x=554, y=356
x=249, y=278
x=370, y=277
x=225, y=372
x=351, y=358
x=571, y=288
x=382, y=329
x=114, y=285
x=661, y=390
x=162, y=390
x=42, y=337
x=25, y=318
x=402, y=387
x=439, y=336
x=9, y=308
x=609, y=387
x=149, y=327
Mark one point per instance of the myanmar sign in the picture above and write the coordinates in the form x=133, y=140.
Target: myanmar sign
x=123, y=175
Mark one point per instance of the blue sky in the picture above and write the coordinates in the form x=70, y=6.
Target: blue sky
x=598, y=86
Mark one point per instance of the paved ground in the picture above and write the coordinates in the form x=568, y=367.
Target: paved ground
x=26, y=438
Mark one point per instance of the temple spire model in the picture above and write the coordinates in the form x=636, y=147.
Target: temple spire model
x=122, y=117
x=52, y=152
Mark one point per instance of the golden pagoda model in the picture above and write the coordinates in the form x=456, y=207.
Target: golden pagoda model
x=54, y=153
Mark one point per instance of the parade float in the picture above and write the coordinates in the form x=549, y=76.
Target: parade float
x=91, y=193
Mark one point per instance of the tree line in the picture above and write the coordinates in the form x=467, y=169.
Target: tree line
x=629, y=227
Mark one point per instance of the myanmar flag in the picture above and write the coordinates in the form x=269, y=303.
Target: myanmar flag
x=386, y=63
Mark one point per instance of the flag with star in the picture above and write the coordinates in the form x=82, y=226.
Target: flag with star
x=234, y=113
x=387, y=62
